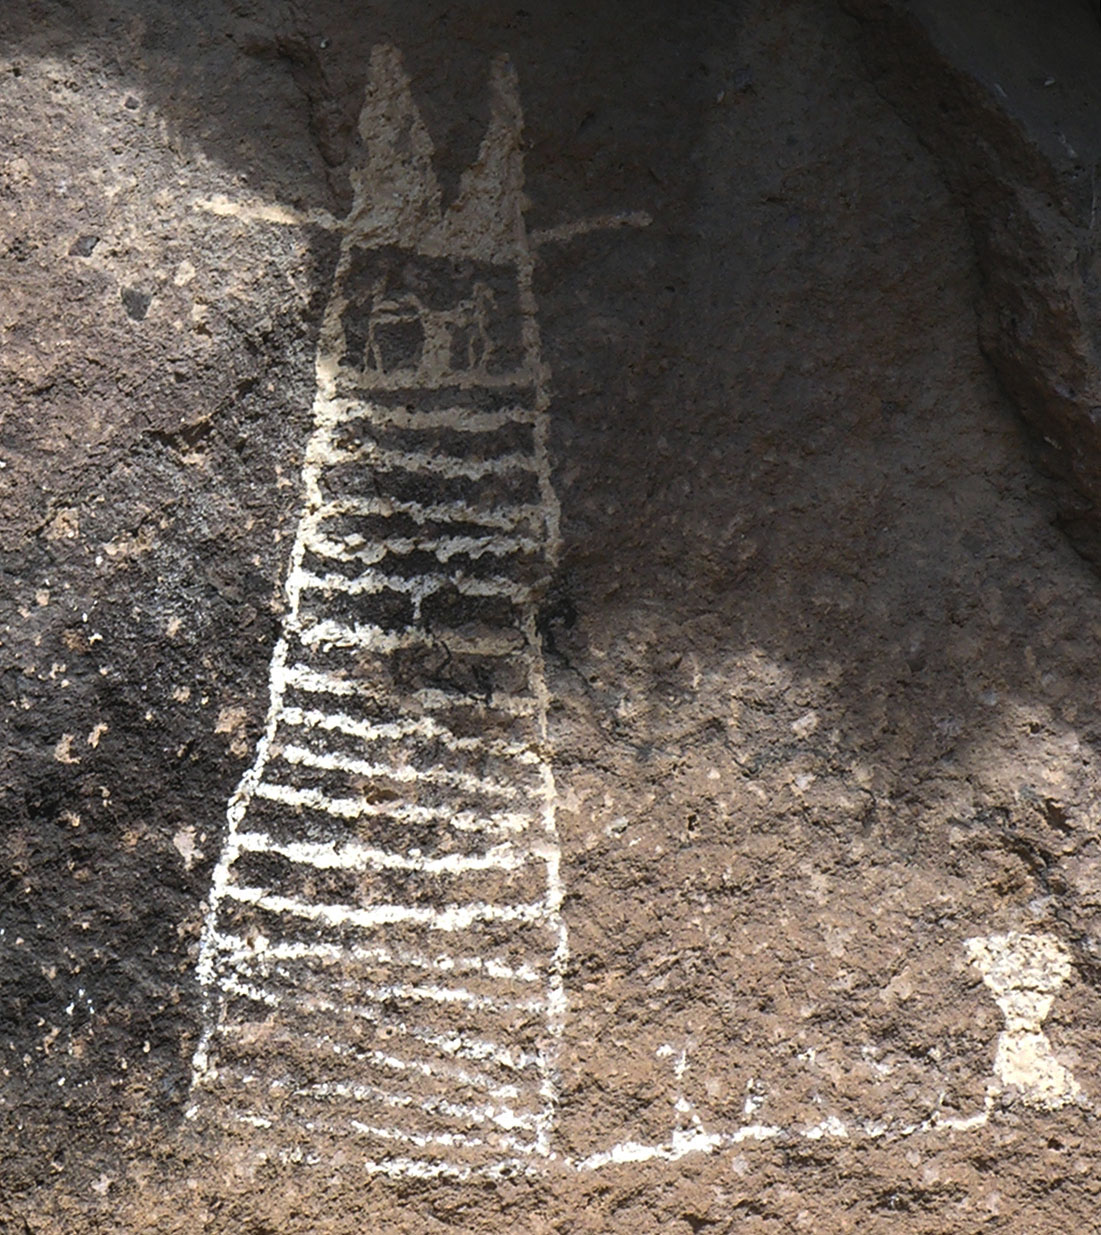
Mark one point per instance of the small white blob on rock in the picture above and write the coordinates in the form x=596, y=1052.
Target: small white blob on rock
x=1024, y=973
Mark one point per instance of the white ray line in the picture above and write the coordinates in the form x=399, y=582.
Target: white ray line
x=370, y=732
x=369, y=638
x=339, y=1128
x=264, y=212
x=236, y=946
x=565, y=232
x=354, y=548
x=459, y=419
x=430, y=1068
x=504, y=516
x=321, y=454
x=332, y=761
x=419, y=381
x=501, y=1117
x=417, y=1168
x=408, y=992
x=490, y=822
x=480, y=1051
x=354, y=856
x=371, y=582
x=450, y=918
x=424, y=1140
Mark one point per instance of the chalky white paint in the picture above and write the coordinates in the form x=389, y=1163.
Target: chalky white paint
x=397, y=202
x=1024, y=973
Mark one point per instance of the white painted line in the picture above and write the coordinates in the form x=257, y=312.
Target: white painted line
x=371, y=582
x=370, y=732
x=247, y=991
x=341, y=1128
x=458, y=419
x=322, y=454
x=265, y=212
x=565, y=232
x=449, y=918
x=410, y=992
x=432, y=1069
x=354, y=856
x=368, y=638
x=680, y=1145
x=238, y=949
x=333, y=634
x=683, y=1142
x=491, y=823
x=418, y=1168
x=511, y=705
x=458, y=1046
x=463, y=1076
x=500, y=1116
x=331, y=761
x=510, y=1057
x=420, y=381
x=503, y=516
x=355, y=548
x=424, y=1140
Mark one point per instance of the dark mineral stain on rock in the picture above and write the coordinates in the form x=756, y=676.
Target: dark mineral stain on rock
x=136, y=303
x=84, y=246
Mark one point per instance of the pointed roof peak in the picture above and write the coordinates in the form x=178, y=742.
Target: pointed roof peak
x=396, y=192
x=397, y=196
x=486, y=219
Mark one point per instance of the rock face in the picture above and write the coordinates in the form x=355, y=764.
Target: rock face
x=1005, y=96
x=546, y=684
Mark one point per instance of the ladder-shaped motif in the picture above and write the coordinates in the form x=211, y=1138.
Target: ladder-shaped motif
x=382, y=957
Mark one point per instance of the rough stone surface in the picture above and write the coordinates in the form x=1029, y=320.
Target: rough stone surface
x=821, y=659
x=1006, y=95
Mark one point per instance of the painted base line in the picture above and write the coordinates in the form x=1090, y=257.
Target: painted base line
x=696, y=1141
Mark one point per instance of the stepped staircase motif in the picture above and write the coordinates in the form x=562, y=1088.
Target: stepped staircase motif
x=382, y=958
